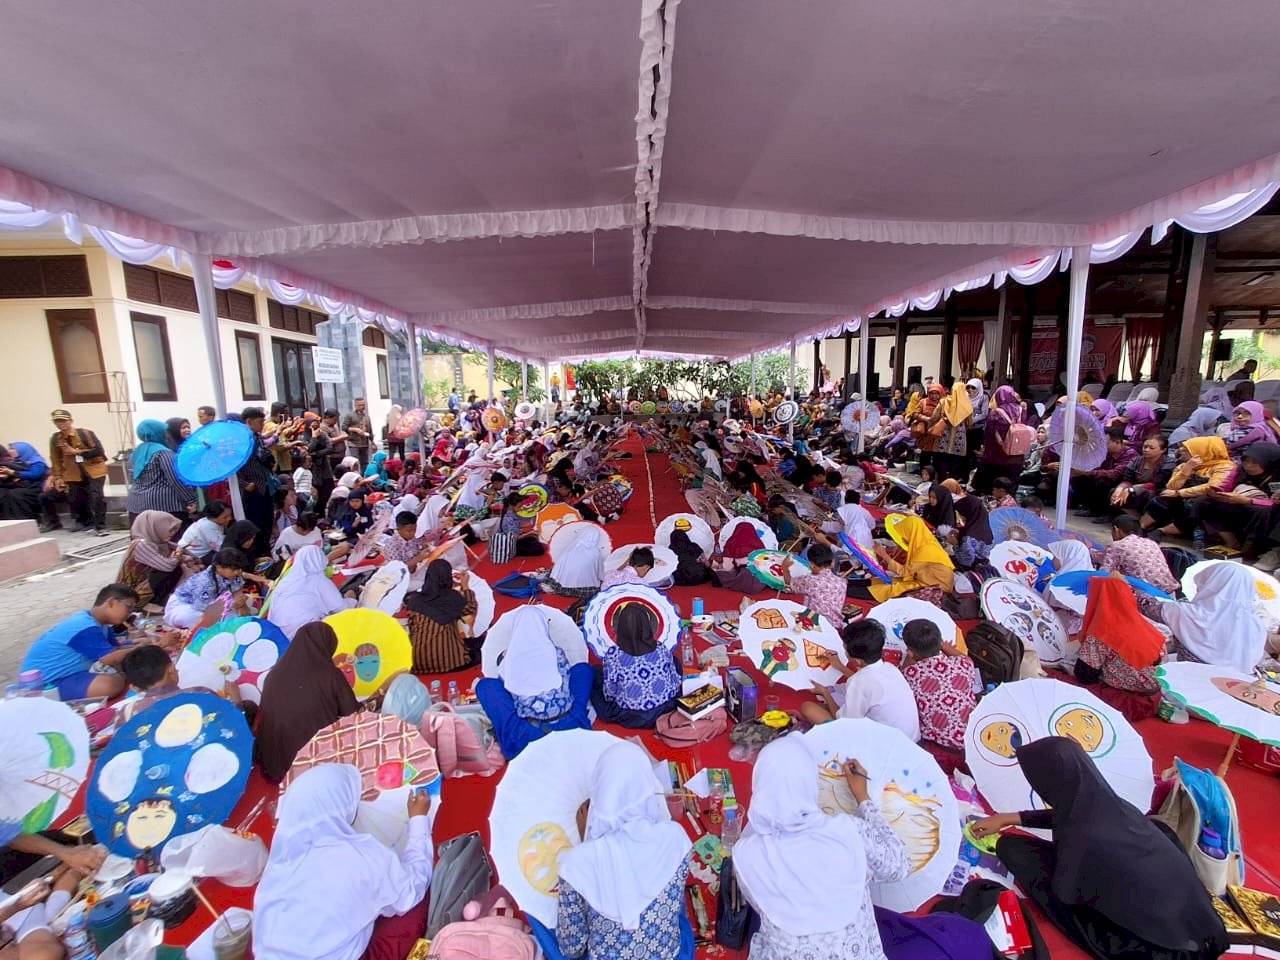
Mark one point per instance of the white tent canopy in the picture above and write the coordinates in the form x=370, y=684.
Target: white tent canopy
x=576, y=178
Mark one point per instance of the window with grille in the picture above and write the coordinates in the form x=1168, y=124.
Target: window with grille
x=23, y=277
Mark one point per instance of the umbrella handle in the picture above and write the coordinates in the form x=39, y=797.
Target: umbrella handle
x=1231, y=753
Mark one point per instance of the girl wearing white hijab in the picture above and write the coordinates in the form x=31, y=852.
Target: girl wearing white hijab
x=535, y=690
x=319, y=861
x=431, y=525
x=806, y=873
x=580, y=568
x=1220, y=626
x=622, y=888
x=1219, y=399
x=304, y=594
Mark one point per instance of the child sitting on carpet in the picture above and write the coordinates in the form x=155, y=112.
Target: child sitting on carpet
x=65, y=652
x=639, y=680
x=943, y=686
x=822, y=591
x=151, y=672
x=536, y=691
x=373, y=899
x=874, y=688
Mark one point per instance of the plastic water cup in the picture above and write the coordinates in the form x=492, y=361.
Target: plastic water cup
x=231, y=935
x=697, y=606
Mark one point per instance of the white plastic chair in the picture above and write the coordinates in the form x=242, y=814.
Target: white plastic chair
x=1120, y=391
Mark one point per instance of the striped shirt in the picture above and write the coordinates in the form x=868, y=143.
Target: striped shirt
x=158, y=488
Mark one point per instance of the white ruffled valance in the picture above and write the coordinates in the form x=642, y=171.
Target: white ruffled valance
x=132, y=250
x=524, y=311
x=1220, y=215
x=744, y=306
x=19, y=216
x=419, y=229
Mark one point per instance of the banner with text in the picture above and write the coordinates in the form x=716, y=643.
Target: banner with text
x=1099, y=354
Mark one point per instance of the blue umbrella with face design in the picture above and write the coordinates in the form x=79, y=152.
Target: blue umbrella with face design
x=177, y=766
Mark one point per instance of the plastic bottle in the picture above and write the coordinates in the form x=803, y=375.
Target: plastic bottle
x=454, y=699
x=12, y=691
x=1210, y=844
x=688, y=657
x=435, y=691
x=76, y=939
x=31, y=683
x=731, y=829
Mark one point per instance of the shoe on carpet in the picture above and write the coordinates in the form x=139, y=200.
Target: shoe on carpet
x=1269, y=561
x=100, y=533
x=81, y=528
x=50, y=527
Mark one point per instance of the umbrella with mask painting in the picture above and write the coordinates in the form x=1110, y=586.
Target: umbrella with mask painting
x=790, y=643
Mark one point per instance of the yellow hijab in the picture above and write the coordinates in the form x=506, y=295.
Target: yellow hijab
x=1211, y=450
x=912, y=406
x=956, y=407
x=922, y=546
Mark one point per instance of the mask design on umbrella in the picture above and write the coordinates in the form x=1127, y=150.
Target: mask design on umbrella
x=368, y=662
x=1002, y=738
x=1083, y=726
x=770, y=618
x=1254, y=694
x=539, y=854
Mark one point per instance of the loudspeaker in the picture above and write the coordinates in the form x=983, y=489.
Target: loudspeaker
x=1222, y=351
x=914, y=375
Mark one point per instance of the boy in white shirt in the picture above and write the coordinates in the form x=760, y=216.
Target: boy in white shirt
x=877, y=690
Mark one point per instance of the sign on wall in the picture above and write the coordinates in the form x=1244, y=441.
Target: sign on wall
x=328, y=365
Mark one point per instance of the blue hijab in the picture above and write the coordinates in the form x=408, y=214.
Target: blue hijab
x=151, y=433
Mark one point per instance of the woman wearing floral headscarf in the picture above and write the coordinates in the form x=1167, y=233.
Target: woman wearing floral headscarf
x=949, y=425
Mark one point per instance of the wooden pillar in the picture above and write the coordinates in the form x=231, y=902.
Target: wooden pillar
x=1029, y=295
x=1216, y=323
x=900, y=353
x=1004, y=336
x=1174, y=299
x=947, y=352
x=1184, y=388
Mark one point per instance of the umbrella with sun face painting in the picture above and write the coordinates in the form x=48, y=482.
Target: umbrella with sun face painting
x=240, y=650
x=913, y=793
x=372, y=647
x=1021, y=610
x=535, y=810
x=388, y=752
x=44, y=757
x=1023, y=711
x=599, y=621
x=533, y=499
x=790, y=643
x=179, y=765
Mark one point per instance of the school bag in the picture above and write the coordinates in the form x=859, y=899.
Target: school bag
x=1017, y=439
x=517, y=585
x=462, y=740
x=995, y=651
x=502, y=547
x=462, y=874
x=491, y=930
x=1201, y=811
x=676, y=730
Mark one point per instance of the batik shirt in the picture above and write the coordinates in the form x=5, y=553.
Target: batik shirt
x=640, y=683
x=824, y=593
x=943, y=688
x=582, y=932
x=549, y=704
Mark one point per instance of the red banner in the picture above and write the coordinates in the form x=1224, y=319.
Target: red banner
x=1099, y=354
x=569, y=382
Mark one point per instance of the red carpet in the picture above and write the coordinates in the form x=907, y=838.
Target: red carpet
x=467, y=801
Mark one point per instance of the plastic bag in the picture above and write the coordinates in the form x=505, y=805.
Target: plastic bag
x=137, y=944
x=215, y=851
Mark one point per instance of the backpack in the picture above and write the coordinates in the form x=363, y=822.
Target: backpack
x=1180, y=560
x=462, y=740
x=1200, y=799
x=995, y=651
x=676, y=730
x=462, y=874
x=1017, y=439
x=491, y=930
x=517, y=585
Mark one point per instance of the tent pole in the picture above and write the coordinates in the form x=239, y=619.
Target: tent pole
x=489, y=365
x=524, y=379
x=415, y=365
x=864, y=342
x=791, y=427
x=206, y=300
x=753, y=374
x=547, y=408
x=1075, y=332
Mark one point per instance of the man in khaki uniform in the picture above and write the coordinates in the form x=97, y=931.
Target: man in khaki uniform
x=78, y=473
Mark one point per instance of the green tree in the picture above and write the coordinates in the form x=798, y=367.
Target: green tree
x=508, y=372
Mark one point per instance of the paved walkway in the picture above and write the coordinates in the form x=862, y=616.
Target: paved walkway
x=31, y=605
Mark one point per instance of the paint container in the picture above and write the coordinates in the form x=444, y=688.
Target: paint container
x=231, y=935
x=109, y=920
x=172, y=899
